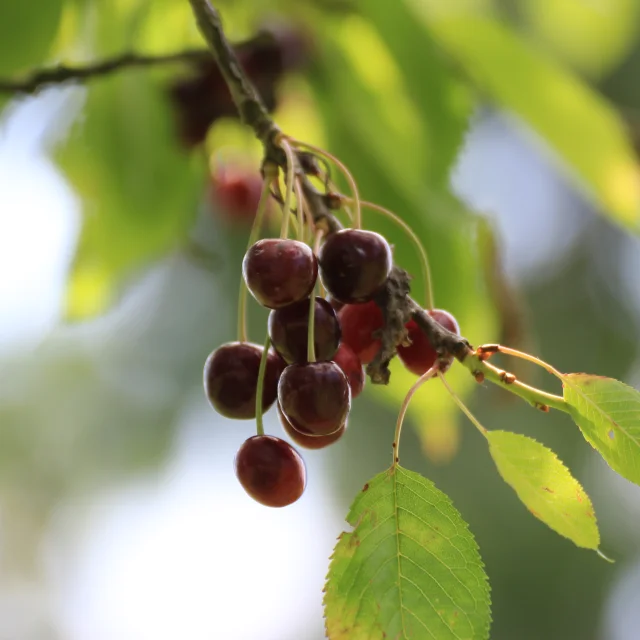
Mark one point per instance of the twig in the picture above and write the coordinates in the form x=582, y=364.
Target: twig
x=62, y=73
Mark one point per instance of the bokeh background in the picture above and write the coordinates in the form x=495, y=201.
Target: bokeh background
x=502, y=131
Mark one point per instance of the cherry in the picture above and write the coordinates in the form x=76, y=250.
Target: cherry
x=270, y=470
x=315, y=397
x=289, y=329
x=279, y=272
x=354, y=264
x=306, y=441
x=351, y=366
x=235, y=194
x=420, y=355
x=359, y=323
x=231, y=379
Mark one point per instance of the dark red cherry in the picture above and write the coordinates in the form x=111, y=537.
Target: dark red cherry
x=279, y=272
x=231, y=379
x=235, y=194
x=315, y=397
x=351, y=366
x=354, y=264
x=271, y=471
x=336, y=304
x=420, y=356
x=289, y=329
x=359, y=323
x=307, y=441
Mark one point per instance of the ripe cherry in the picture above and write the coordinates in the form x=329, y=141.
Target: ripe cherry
x=289, y=329
x=354, y=264
x=279, y=272
x=231, y=379
x=359, y=323
x=351, y=366
x=315, y=397
x=270, y=470
x=420, y=355
x=235, y=194
x=307, y=441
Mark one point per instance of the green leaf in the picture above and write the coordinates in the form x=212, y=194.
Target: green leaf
x=139, y=189
x=27, y=31
x=576, y=122
x=545, y=486
x=608, y=414
x=409, y=569
x=443, y=102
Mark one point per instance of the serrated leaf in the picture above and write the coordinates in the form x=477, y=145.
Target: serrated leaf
x=574, y=120
x=608, y=414
x=409, y=569
x=545, y=486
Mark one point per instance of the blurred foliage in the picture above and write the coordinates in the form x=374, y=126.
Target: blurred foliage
x=391, y=91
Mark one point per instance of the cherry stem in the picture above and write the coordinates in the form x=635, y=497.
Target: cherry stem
x=253, y=237
x=357, y=223
x=463, y=407
x=424, y=259
x=311, y=331
x=403, y=410
x=260, y=388
x=284, y=231
x=316, y=248
x=508, y=351
x=299, y=200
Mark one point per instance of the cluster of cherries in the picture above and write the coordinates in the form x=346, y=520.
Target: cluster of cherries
x=313, y=384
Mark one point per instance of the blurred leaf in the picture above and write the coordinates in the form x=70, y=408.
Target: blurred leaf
x=443, y=102
x=27, y=31
x=593, y=36
x=577, y=123
x=608, y=414
x=139, y=190
x=410, y=567
x=373, y=149
x=545, y=486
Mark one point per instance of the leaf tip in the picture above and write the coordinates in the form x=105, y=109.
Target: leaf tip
x=604, y=557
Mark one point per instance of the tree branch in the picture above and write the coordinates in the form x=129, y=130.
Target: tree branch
x=62, y=73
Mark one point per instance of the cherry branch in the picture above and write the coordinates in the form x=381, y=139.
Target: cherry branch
x=394, y=300
x=62, y=74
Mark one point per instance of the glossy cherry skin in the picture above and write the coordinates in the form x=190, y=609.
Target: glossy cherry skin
x=270, y=470
x=279, y=272
x=420, y=356
x=231, y=379
x=359, y=323
x=351, y=366
x=307, y=441
x=354, y=264
x=315, y=396
x=289, y=330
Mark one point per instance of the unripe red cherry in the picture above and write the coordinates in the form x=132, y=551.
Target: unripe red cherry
x=231, y=379
x=289, y=330
x=235, y=194
x=354, y=264
x=270, y=470
x=359, y=323
x=279, y=272
x=420, y=356
x=315, y=397
x=351, y=366
x=307, y=441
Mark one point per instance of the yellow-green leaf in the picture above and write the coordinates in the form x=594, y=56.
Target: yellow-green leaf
x=583, y=129
x=409, y=569
x=608, y=414
x=545, y=486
